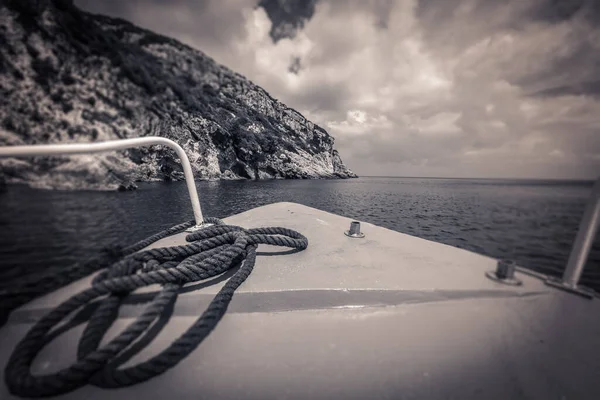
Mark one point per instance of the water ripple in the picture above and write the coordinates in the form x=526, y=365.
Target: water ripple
x=533, y=222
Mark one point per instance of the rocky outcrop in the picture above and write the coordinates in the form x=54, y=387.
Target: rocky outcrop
x=70, y=76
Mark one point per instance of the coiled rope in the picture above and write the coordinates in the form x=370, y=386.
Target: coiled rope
x=27, y=290
x=211, y=251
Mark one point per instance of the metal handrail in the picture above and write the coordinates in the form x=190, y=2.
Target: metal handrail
x=84, y=148
x=585, y=238
x=582, y=245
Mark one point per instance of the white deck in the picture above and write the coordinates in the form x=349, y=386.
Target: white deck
x=387, y=316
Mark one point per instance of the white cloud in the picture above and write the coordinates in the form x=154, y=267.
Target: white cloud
x=444, y=88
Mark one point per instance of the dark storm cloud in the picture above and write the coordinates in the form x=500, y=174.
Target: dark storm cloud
x=556, y=11
x=287, y=16
x=591, y=88
x=577, y=71
x=452, y=26
x=382, y=10
x=295, y=65
x=573, y=72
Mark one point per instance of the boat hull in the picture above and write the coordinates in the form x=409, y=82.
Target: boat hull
x=385, y=316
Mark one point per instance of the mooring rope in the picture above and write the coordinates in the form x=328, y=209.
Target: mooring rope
x=15, y=296
x=211, y=251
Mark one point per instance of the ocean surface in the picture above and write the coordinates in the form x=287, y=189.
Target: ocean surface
x=531, y=221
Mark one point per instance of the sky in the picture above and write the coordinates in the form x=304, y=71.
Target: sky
x=432, y=88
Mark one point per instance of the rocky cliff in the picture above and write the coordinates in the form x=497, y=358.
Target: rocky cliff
x=69, y=76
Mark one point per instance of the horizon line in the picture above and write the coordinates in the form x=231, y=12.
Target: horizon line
x=488, y=178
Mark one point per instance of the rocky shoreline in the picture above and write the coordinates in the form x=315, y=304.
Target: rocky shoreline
x=67, y=76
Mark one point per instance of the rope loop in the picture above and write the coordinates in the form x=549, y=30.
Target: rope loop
x=210, y=251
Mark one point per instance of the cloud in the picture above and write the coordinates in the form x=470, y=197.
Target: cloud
x=408, y=87
x=287, y=17
x=295, y=65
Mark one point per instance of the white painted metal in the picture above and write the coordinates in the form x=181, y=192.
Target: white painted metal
x=584, y=239
x=83, y=148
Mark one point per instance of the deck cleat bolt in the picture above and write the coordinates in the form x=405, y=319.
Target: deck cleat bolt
x=505, y=273
x=354, y=231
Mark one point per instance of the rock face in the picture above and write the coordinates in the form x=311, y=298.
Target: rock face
x=69, y=76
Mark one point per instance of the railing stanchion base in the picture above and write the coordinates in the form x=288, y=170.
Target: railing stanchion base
x=579, y=290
